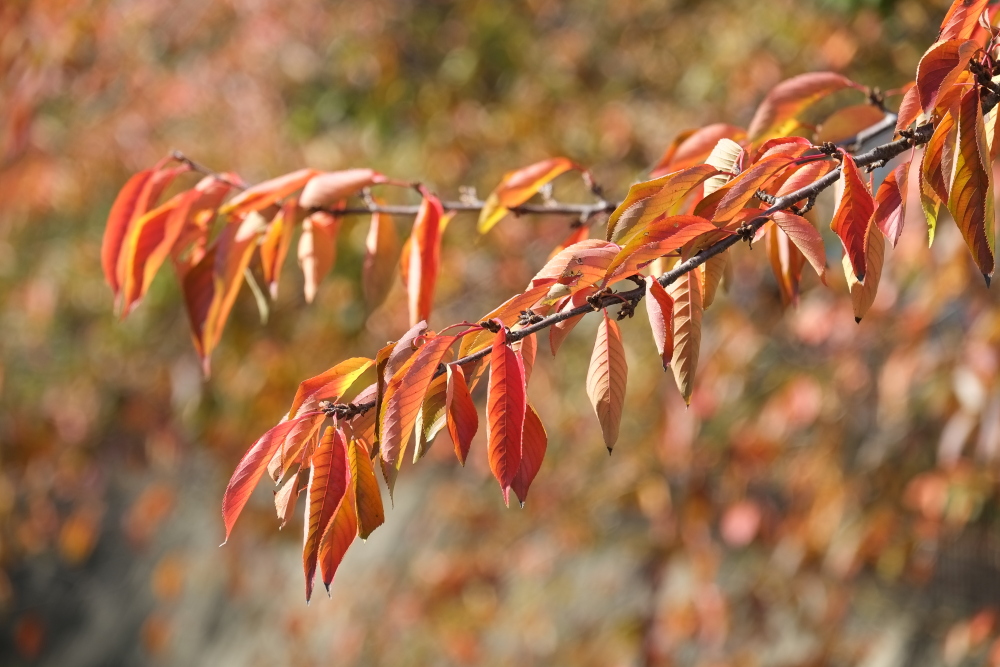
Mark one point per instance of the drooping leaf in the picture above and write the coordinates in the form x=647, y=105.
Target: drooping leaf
x=890, y=203
x=789, y=98
x=533, y=444
x=286, y=497
x=381, y=250
x=431, y=417
x=863, y=294
x=329, y=385
x=251, y=467
x=329, y=477
x=939, y=66
x=607, y=377
x=960, y=21
x=277, y=241
x=649, y=200
x=317, y=250
x=805, y=237
x=327, y=188
x=686, y=294
x=971, y=202
x=662, y=236
x=711, y=275
x=505, y=408
x=527, y=347
x=561, y=329
x=519, y=186
x=424, y=257
x=337, y=537
x=786, y=263
x=855, y=209
x=462, y=420
x=404, y=394
x=660, y=308
x=938, y=151
x=693, y=147
x=364, y=486
x=263, y=195
x=296, y=448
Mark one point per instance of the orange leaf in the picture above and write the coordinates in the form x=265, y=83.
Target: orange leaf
x=650, y=200
x=431, y=417
x=686, y=293
x=940, y=65
x=661, y=237
x=960, y=21
x=805, y=237
x=561, y=329
x=660, y=308
x=508, y=312
x=735, y=194
x=527, y=347
x=463, y=422
x=518, y=187
x=575, y=268
x=971, y=202
x=339, y=534
x=909, y=109
x=890, y=203
x=863, y=294
x=505, y=408
x=790, y=97
x=329, y=478
x=853, y=213
x=329, y=385
x=277, y=240
x=606, y=378
x=786, y=262
x=404, y=395
x=533, y=444
x=264, y=194
x=326, y=189
x=938, y=157
x=286, y=497
x=251, y=467
x=424, y=257
x=381, y=250
x=846, y=123
x=317, y=249
x=692, y=147
x=364, y=487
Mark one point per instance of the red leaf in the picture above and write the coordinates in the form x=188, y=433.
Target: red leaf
x=890, y=203
x=971, y=202
x=533, y=444
x=424, y=257
x=505, y=407
x=661, y=237
x=329, y=478
x=960, y=21
x=339, y=535
x=317, y=249
x=606, y=379
x=805, y=237
x=324, y=190
x=909, y=109
x=518, y=187
x=660, y=308
x=690, y=148
x=939, y=66
x=786, y=263
x=853, y=213
x=792, y=96
x=251, y=467
x=463, y=422
x=405, y=393
x=863, y=294
x=264, y=194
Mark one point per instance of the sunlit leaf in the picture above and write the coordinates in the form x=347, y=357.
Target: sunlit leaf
x=337, y=537
x=863, y=294
x=662, y=236
x=317, y=250
x=692, y=147
x=890, y=202
x=711, y=275
x=686, y=294
x=533, y=444
x=262, y=195
x=971, y=202
x=462, y=420
x=806, y=238
x=846, y=123
x=381, y=250
x=424, y=257
x=649, y=200
x=364, y=486
x=850, y=222
x=909, y=109
x=505, y=408
x=329, y=385
x=277, y=241
x=939, y=66
x=329, y=477
x=790, y=97
x=960, y=21
x=735, y=194
x=607, y=377
x=431, y=418
x=660, y=308
x=327, y=188
x=519, y=186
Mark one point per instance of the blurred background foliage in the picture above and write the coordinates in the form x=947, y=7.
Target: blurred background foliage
x=829, y=498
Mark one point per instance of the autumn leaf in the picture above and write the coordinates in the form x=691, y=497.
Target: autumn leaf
x=327, y=188
x=649, y=200
x=364, y=486
x=692, y=147
x=939, y=66
x=329, y=385
x=577, y=267
x=606, y=379
x=519, y=186
x=939, y=156
x=404, y=394
x=890, y=202
x=735, y=194
x=960, y=21
x=287, y=495
x=790, y=97
x=527, y=347
x=329, y=477
x=381, y=250
x=686, y=293
x=533, y=444
x=853, y=213
x=806, y=238
x=560, y=330
x=505, y=408
x=786, y=263
x=846, y=123
x=317, y=250
x=971, y=202
x=711, y=276
x=660, y=308
x=431, y=417
x=251, y=467
x=262, y=195
x=661, y=237
x=337, y=537
x=462, y=420
x=863, y=294
x=424, y=257
x=277, y=241
x=909, y=109
x=508, y=312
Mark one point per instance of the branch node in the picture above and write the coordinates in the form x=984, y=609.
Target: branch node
x=490, y=326
x=529, y=317
x=766, y=198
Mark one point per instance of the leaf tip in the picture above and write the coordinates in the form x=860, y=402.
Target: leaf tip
x=988, y=279
x=857, y=320
x=609, y=450
x=521, y=503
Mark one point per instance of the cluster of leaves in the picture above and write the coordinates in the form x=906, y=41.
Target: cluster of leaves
x=670, y=237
